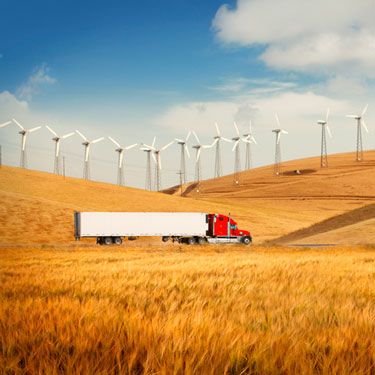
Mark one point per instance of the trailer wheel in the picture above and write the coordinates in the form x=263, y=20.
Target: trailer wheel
x=165, y=238
x=117, y=241
x=201, y=241
x=191, y=241
x=246, y=240
x=107, y=241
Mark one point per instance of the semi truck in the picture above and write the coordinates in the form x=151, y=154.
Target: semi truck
x=183, y=227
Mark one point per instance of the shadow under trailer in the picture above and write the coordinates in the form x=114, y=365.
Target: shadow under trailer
x=183, y=227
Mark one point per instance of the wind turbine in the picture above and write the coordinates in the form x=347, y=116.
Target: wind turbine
x=120, y=164
x=236, y=150
x=184, y=149
x=249, y=139
x=278, y=132
x=157, y=158
x=24, y=132
x=198, y=166
x=57, y=140
x=323, y=146
x=218, y=137
x=148, y=151
x=360, y=123
x=86, y=160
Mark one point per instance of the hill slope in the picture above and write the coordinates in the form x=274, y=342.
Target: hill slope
x=38, y=207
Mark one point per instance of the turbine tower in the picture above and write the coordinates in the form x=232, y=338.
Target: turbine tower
x=218, y=168
x=148, y=151
x=278, y=132
x=24, y=132
x=323, y=146
x=184, y=150
x=360, y=123
x=198, y=166
x=249, y=139
x=120, y=163
x=86, y=160
x=57, y=140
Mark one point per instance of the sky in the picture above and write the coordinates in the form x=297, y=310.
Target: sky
x=138, y=69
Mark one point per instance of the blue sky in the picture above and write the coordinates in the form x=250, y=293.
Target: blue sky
x=135, y=69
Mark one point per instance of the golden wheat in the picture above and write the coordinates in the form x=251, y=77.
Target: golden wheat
x=209, y=310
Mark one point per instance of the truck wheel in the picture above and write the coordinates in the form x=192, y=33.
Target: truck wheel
x=201, y=241
x=165, y=238
x=246, y=240
x=117, y=241
x=191, y=241
x=107, y=241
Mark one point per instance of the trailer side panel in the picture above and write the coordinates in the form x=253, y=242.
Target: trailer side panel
x=101, y=224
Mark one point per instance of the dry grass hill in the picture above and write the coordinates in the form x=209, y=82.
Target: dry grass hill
x=38, y=207
x=152, y=308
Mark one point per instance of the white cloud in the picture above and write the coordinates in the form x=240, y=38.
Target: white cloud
x=10, y=105
x=295, y=108
x=303, y=35
x=40, y=77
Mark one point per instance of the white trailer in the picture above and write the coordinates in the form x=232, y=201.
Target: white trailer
x=110, y=227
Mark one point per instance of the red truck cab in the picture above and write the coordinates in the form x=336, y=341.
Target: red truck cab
x=222, y=226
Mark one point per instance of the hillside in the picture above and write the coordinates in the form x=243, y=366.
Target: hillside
x=38, y=207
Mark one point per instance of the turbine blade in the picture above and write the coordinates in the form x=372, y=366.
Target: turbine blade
x=364, y=110
x=277, y=120
x=196, y=137
x=188, y=136
x=114, y=142
x=364, y=125
x=148, y=147
x=52, y=131
x=159, y=162
x=67, y=135
x=97, y=140
x=81, y=135
x=87, y=151
x=351, y=116
x=34, y=129
x=24, y=141
x=327, y=115
x=284, y=131
x=120, y=159
x=278, y=137
x=329, y=131
x=198, y=154
x=153, y=142
x=153, y=156
x=226, y=139
x=236, y=127
x=235, y=145
x=5, y=124
x=253, y=139
x=131, y=146
x=179, y=140
x=167, y=145
x=18, y=124
x=217, y=129
x=57, y=148
x=187, y=150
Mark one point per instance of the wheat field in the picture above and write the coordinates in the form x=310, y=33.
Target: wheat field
x=180, y=309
